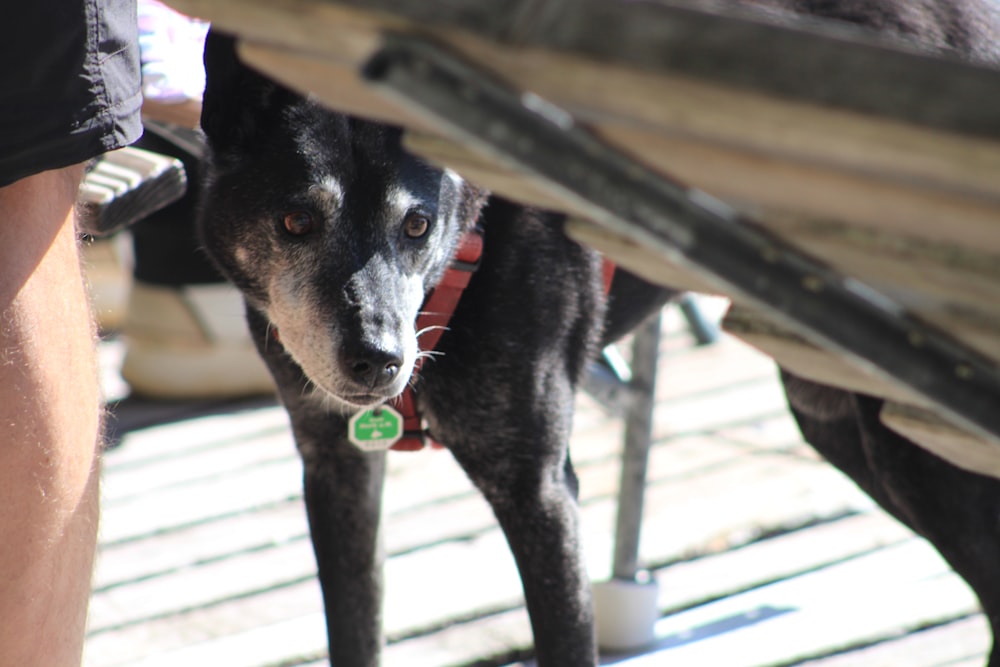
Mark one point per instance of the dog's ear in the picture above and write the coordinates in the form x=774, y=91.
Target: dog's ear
x=239, y=103
x=472, y=201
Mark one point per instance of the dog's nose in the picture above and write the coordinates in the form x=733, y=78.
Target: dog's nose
x=374, y=368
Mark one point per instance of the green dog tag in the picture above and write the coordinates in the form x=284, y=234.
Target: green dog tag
x=375, y=430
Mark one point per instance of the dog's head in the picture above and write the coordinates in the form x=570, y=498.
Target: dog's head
x=327, y=225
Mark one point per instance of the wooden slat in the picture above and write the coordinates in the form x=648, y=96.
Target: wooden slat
x=186, y=505
x=805, y=359
x=203, y=585
x=838, y=64
x=903, y=414
x=800, y=157
x=169, y=550
x=863, y=191
x=947, y=282
x=746, y=148
x=269, y=443
x=732, y=572
x=798, y=552
x=733, y=144
x=197, y=629
x=179, y=438
x=264, y=645
x=742, y=506
x=681, y=585
x=901, y=587
x=639, y=259
x=491, y=174
x=961, y=643
x=948, y=441
x=496, y=634
x=917, y=267
x=871, y=221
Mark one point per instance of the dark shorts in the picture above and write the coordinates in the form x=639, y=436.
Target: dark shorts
x=69, y=83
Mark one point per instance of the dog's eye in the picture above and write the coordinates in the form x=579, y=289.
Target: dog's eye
x=298, y=223
x=416, y=225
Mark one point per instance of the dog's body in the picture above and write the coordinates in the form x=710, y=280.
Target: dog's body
x=335, y=236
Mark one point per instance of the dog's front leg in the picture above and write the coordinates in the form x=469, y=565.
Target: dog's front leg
x=343, y=492
x=534, y=499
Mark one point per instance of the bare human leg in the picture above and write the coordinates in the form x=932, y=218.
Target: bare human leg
x=49, y=422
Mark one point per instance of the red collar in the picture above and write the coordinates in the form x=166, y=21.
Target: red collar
x=433, y=320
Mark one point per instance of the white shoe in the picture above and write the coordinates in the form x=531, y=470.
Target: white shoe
x=191, y=342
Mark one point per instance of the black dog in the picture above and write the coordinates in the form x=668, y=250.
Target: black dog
x=335, y=236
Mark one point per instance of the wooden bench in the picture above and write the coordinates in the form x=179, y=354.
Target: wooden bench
x=126, y=185
x=871, y=172
x=121, y=187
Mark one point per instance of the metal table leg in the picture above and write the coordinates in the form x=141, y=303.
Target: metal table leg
x=627, y=606
x=638, y=435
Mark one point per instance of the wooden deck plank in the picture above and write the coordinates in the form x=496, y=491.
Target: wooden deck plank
x=181, y=438
x=737, y=504
x=202, y=585
x=961, y=643
x=218, y=447
x=197, y=630
x=178, y=506
x=258, y=646
x=721, y=574
x=902, y=587
x=683, y=585
x=224, y=577
x=171, y=550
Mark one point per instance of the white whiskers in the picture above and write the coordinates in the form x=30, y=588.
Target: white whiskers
x=428, y=354
x=432, y=327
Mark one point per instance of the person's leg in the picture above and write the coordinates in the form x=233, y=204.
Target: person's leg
x=77, y=99
x=49, y=421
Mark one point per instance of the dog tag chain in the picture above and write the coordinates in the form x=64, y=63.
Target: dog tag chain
x=375, y=430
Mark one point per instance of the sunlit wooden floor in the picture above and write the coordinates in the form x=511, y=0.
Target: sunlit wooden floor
x=764, y=554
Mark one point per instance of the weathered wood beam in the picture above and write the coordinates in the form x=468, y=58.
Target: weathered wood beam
x=938, y=435
x=904, y=412
x=805, y=359
x=835, y=65
x=736, y=145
